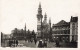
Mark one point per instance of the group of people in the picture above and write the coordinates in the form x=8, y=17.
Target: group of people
x=11, y=42
x=42, y=44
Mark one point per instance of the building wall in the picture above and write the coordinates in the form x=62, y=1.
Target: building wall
x=5, y=40
x=73, y=31
x=61, y=33
x=70, y=32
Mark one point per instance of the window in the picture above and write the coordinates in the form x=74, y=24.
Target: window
x=73, y=28
x=73, y=25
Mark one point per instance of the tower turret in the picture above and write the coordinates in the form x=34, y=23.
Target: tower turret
x=49, y=20
x=45, y=18
x=39, y=21
x=50, y=30
x=50, y=23
x=39, y=15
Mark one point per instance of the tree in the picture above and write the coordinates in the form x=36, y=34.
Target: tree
x=33, y=34
x=28, y=35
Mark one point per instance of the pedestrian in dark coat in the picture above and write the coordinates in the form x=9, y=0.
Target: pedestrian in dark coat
x=40, y=45
x=35, y=41
x=57, y=43
x=16, y=42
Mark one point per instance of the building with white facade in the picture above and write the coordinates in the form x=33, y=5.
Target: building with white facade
x=73, y=29
x=66, y=31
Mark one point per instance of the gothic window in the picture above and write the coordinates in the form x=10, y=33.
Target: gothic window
x=73, y=26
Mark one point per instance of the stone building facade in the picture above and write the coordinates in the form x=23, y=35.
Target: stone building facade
x=74, y=28
x=66, y=31
x=61, y=31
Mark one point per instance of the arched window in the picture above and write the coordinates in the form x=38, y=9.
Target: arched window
x=73, y=25
x=73, y=28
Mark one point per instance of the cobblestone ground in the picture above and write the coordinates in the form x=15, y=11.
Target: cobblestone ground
x=50, y=45
x=33, y=45
x=29, y=44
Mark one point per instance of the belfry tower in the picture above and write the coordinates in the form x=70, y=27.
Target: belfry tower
x=39, y=21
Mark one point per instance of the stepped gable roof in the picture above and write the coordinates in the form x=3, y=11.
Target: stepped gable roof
x=61, y=23
x=74, y=19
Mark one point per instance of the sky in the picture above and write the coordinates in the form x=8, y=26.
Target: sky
x=15, y=13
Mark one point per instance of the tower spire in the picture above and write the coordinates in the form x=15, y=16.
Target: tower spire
x=49, y=20
x=45, y=16
x=39, y=9
x=50, y=31
x=39, y=15
x=39, y=19
x=25, y=28
x=39, y=4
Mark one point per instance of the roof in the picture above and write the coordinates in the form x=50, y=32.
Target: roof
x=74, y=19
x=61, y=23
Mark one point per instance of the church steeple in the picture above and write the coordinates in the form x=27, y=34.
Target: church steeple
x=49, y=20
x=39, y=4
x=25, y=28
x=39, y=15
x=39, y=20
x=45, y=17
x=50, y=24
